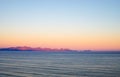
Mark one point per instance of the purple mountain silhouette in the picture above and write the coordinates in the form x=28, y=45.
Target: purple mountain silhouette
x=25, y=48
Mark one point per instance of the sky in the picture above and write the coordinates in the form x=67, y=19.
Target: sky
x=74, y=24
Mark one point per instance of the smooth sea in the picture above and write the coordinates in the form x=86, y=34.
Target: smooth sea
x=58, y=64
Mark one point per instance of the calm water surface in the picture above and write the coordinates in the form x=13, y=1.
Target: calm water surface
x=36, y=64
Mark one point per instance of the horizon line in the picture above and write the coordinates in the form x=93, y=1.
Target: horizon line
x=86, y=50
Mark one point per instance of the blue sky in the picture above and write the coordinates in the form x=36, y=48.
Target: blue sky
x=60, y=11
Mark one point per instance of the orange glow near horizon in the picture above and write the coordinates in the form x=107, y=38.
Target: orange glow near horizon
x=71, y=42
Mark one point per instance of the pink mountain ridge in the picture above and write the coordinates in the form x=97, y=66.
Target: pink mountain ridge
x=26, y=48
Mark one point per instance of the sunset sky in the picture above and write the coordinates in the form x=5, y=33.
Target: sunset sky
x=74, y=24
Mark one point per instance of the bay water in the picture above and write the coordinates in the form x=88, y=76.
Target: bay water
x=58, y=64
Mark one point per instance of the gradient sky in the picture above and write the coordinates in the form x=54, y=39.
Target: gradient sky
x=74, y=24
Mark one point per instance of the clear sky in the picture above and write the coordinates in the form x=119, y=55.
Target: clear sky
x=74, y=24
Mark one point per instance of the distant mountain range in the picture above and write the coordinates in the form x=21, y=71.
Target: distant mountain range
x=25, y=48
